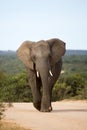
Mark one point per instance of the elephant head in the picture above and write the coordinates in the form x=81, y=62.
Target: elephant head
x=41, y=58
x=34, y=53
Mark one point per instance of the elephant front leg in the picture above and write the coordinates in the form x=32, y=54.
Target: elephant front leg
x=46, y=101
x=46, y=105
x=36, y=98
x=35, y=90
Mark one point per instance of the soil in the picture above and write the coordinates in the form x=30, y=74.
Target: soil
x=6, y=125
x=66, y=115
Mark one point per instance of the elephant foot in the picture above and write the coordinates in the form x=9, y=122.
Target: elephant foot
x=49, y=109
x=37, y=105
x=46, y=104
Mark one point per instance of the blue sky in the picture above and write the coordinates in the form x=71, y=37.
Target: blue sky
x=34, y=20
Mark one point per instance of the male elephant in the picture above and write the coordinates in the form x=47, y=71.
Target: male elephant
x=43, y=61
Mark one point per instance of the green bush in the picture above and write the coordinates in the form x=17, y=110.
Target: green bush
x=71, y=86
x=15, y=89
x=76, y=82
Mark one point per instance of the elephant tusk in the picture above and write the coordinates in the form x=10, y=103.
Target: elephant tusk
x=37, y=74
x=50, y=73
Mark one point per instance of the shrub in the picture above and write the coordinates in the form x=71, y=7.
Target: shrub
x=2, y=109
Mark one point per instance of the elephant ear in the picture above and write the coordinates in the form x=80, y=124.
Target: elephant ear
x=57, y=49
x=23, y=53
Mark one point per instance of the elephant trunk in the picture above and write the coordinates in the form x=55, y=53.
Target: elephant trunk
x=44, y=73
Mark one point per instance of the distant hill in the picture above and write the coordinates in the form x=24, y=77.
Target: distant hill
x=7, y=52
x=76, y=52
x=68, y=52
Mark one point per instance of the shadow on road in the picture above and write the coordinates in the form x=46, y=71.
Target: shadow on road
x=70, y=110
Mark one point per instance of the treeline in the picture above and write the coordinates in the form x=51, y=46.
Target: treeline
x=75, y=64
x=9, y=63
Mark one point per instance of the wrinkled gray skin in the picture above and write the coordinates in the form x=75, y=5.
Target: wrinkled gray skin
x=40, y=57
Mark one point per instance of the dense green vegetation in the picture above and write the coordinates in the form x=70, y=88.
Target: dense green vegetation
x=15, y=88
x=14, y=85
x=75, y=64
x=10, y=64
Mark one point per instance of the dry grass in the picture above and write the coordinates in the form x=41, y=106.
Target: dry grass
x=10, y=126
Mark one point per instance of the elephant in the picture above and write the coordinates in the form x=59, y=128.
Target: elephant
x=43, y=61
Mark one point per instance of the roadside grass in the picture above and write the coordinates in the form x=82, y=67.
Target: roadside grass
x=10, y=126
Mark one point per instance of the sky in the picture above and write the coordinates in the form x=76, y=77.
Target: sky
x=35, y=20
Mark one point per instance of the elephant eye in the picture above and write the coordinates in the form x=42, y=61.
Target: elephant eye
x=49, y=56
x=33, y=58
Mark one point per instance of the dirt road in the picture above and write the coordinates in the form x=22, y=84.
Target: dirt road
x=66, y=115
